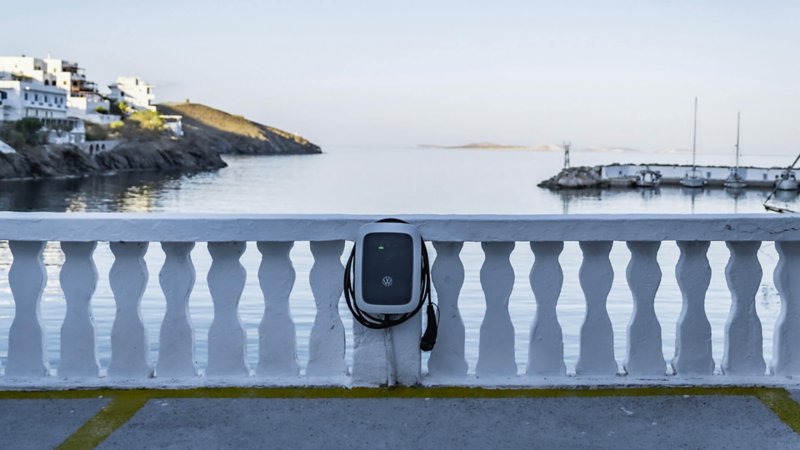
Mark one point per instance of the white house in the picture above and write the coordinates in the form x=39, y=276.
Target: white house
x=82, y=95
x=134, y=92
x=27, y=97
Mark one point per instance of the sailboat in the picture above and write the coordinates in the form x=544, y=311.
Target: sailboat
x=694, y=178
x=735, y=180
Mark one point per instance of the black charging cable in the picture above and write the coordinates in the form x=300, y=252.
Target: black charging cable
x=428, y=339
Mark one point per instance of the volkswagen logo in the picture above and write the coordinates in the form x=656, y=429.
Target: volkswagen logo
x=387, y=281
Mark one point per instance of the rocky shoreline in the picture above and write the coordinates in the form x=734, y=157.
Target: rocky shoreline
x=70, y=161
x=575, y=178
x=208, y=133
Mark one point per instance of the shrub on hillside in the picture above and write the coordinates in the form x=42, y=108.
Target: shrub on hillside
x=95, y=132
x=24, y=132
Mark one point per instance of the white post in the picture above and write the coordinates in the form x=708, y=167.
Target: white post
x=277, y=342
x=130, y=347
x=78, y=334
x=546, y=344
x=176, y=350
x=227, y=338
x=785, y=356
x=447, y=357
x=496, y=345
x=27, y=340
x=327, y=343
x=744, y=351
x=693, y=332
x=597, y=336
x=645, y=352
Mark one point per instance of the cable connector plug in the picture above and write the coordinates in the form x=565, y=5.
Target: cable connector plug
x=428, y=339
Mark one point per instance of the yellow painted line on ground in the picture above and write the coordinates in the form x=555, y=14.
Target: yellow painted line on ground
x=125, y=403
x=120, y=410
x=779, y=401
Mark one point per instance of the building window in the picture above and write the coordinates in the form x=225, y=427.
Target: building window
x=47, y=82
x=26, y=96
x=65, y=82
x=708, y=174
x=765, y=177
x=36, y=97
x=45, y=99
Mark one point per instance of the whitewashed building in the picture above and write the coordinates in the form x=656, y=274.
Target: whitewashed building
x=27, y=97
x=68, y=76
x=134, y=92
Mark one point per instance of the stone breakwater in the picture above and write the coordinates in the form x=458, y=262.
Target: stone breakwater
x=575, y=178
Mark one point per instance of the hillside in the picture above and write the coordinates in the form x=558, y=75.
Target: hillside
x=230, y=134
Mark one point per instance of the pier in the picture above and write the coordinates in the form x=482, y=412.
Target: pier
x=671, y=174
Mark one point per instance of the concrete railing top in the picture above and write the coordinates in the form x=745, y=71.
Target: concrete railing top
x=151, y=227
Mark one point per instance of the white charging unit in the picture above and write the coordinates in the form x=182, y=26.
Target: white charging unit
x=388, y=268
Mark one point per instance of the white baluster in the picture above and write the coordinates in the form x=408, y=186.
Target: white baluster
x=744, y=351
x=645, y=352
x=327, y=343
x=597, y=336
x=176, y=350
x=277, y=343
x=546, y=345
x=78, y=334
x=693, y=332
x=447, y=357
x=785, y=355
x=27, y=341
x=227, y=337
x=130, y=347
x=496, y=346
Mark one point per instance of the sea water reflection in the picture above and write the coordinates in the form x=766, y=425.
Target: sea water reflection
x=384, y=181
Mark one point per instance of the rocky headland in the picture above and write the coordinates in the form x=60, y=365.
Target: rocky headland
x=208, y=133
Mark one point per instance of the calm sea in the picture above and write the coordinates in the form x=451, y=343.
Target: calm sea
x=391, y=181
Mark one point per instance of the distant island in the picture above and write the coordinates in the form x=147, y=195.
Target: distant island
x=546, y=148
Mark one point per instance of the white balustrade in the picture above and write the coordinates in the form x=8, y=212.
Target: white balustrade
x=744, y=351
x=130, y=347
x=176, y=356
x=546, y=347
x=645, y=354
x=393, y=356
x=27, y=342
x=785, y=355
x=326, y=346
x=693, y=332
x=496, y=346
x=597, y=336
x=78, y=334
x=277, y=342
x=227, y=338
x=447, y=357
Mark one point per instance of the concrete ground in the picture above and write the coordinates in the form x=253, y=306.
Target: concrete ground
x=458, y=418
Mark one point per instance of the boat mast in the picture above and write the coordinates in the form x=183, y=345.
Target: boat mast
x=738, y=120
x=694, y=141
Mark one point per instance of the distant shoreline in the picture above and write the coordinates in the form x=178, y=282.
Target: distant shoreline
x=547, y=148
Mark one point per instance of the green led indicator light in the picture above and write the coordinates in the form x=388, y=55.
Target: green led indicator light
x=380, y=248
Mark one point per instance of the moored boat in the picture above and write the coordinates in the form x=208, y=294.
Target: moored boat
x=693, y=178
x=647, y=178
x=735, y=180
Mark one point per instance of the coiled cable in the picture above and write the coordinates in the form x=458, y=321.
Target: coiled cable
x=383, y=321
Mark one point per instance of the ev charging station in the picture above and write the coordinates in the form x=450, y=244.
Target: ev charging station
x=387, y=278
x=388, y=268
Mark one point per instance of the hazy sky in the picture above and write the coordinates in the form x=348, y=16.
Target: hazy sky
x=618, y=73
